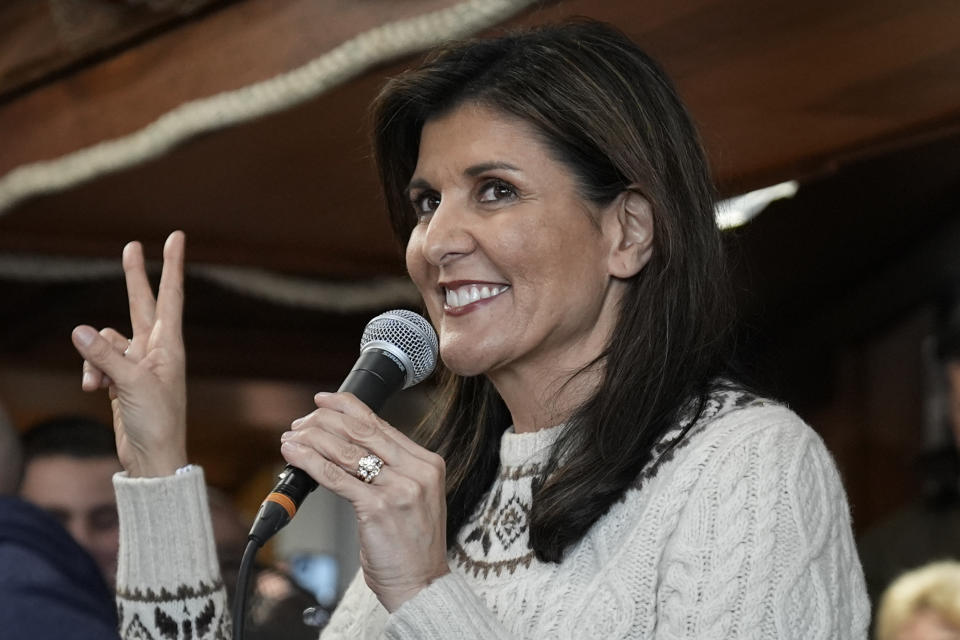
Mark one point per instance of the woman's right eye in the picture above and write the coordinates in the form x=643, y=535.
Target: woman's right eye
x=425, y=203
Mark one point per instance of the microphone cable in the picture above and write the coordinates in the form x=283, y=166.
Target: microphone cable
x=243, y=587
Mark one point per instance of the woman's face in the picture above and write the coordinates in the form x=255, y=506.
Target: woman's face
x=510, y=260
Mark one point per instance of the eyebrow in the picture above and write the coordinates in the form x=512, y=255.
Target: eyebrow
x=472, y=171
x=477, y=169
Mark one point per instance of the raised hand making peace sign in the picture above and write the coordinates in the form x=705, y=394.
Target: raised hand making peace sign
x=145, y=374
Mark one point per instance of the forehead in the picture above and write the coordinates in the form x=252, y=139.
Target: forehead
x=474, y=134
x=66, y=480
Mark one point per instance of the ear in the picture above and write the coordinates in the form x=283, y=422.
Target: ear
x=629, y=226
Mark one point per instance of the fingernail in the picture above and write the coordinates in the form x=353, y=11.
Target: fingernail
x=322, y=394
x=87, y=379
x=286, y=435
x=85, y=335
x=290, y=445
x=296, y=423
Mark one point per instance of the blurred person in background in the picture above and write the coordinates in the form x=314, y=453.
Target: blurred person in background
x=69, y=462
x=928, y=529
x=923, y=604
x=49, y=586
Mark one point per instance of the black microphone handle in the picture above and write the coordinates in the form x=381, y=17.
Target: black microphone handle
x=376, y=376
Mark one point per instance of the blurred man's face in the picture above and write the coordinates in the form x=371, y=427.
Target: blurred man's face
x=79, y=493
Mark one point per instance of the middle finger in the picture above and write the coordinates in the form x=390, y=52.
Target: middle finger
x=350, y=405
x=342, y=453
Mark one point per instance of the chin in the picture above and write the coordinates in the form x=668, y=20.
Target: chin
x=465, y=369
x=462, y=361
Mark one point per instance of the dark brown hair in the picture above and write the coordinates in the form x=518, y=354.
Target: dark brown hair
x=610, y=114
x=74, y=436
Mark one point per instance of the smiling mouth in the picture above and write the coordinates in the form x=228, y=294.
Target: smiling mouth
x=469, y=293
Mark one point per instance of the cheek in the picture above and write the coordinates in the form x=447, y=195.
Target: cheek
x=551, y=263
x=420, y=272
x=416, y=264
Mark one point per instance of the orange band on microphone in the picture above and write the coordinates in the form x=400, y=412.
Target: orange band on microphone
x=283, y=501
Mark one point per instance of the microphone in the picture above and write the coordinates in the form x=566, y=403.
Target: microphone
x=398, y=350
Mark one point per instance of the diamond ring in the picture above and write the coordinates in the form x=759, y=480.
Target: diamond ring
x=369, y=467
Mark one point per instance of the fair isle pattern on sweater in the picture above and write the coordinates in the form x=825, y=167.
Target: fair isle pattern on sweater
x=501, y=531
x=498, y=541
x=186, y=613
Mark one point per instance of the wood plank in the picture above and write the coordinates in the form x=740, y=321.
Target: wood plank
x=45, y=39
x=242, y=44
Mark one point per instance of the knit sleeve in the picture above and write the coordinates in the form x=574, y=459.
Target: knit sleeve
x=763, y=546
x=168, y=577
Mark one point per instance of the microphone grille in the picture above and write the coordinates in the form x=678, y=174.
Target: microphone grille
x=409, y=337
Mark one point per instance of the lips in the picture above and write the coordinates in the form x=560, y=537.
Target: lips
x=465, y=294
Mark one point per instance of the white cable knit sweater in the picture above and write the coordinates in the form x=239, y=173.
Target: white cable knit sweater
x=742, y=531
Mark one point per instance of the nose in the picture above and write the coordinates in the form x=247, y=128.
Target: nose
x=447, y=234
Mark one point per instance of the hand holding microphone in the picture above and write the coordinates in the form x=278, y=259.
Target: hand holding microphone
x=398, y=350
x=401, y=505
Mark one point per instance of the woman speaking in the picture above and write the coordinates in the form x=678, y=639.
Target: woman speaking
x=594, y=470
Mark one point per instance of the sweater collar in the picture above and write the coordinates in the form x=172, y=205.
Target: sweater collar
x=518, y=449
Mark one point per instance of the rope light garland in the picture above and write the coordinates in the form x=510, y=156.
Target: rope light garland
x=325, y=296
x=347, y=60
x=336, y=297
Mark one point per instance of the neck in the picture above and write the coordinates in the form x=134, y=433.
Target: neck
x=545, y=389
x=539, y=398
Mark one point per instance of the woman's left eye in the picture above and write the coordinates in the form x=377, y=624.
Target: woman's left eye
x=497, y=190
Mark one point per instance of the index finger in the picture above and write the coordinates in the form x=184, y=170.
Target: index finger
x=170, y=293
x=348, y=404
x=139, y=294
x=98, y=351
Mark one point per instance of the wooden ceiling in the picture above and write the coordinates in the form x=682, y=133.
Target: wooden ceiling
x=859, y=100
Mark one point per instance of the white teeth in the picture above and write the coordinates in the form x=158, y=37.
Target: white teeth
x=463, y=296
